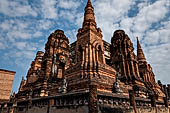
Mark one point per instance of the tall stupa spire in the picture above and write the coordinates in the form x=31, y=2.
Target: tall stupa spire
x=140, y=54
x=89, y=18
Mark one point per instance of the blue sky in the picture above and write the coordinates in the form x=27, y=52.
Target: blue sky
x=26, y=24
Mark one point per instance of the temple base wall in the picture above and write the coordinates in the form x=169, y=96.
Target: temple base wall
x=52, y=109
x=107, y=109
x=85, y=109
x=74, y=109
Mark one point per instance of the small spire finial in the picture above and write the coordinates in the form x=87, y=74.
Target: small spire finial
x=140, y=54
x=23, y=78
x=138, y=43
x=89, y=2
x=89, y=18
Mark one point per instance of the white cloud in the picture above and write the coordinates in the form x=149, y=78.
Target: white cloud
x=2, y=46
x=16, y=8
x=158, y=57
x=68, y=4
x=45, y=24
x=27, y=46
x=71, y=34
x=20, y=45
x=2, y=43
x=79, y=19
x=48, y=8
x=68, y=15
x=19, y=34
x=14, y=29
x=109, y=12
x=37, y=34
x=150, y=14
x=20, y=54
x=6, y=25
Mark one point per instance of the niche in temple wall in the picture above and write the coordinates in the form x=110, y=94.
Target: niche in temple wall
x=80, y=53
x=100, y=54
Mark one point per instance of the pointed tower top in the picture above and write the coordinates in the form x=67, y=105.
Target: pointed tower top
x=89, y=18
x=23, y=78
x=140, y=54
x=89, y=3
x=138, y=44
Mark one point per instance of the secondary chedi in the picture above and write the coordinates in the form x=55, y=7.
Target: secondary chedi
x=89, y=76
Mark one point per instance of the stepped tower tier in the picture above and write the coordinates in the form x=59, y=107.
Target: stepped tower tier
x=33, y=75
x=56, y=57
x=124, y=60
x=140, y=55
x=89, y=46
x=147, y=74
x=90, y=65
x=46, y=72
x=55, y=60
x=34, y=71
x=22, y=84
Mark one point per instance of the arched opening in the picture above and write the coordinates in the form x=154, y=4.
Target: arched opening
x=141, y=75
x=100, y=55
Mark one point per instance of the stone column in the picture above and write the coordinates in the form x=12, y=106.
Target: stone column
x=128, y=70
x=48, y=68
x=97, y=56
x=93, y=107
x=133, y=70
x=132, y=100
x=83, y=57
x=90, y=58
x=137, y=70
x=166, y=101
x=94, y=59
x=104, y=61
x=123, y=67
x=153, y=101
x=86, y=56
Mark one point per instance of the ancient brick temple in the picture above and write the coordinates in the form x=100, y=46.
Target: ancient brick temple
x=89, y=76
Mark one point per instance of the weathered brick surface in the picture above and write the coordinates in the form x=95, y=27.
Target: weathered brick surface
x=6, y=81
x=117, y=109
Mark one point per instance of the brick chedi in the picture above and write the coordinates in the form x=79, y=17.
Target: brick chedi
x=147, y=74
x=33, y=75
x=33, y=72
x=47, y=69
x=55, y=59
x=90, y=66
x=89, y=76
x=125, y=61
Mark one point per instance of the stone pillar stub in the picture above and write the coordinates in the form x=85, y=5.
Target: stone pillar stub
x=153, y=101
x=132, y=100
x=93, y=108
x=166, y=101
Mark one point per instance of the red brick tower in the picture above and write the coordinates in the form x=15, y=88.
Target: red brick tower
x=56, y=56
x=124, y=60
x=90, y=64
x=34, y=71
